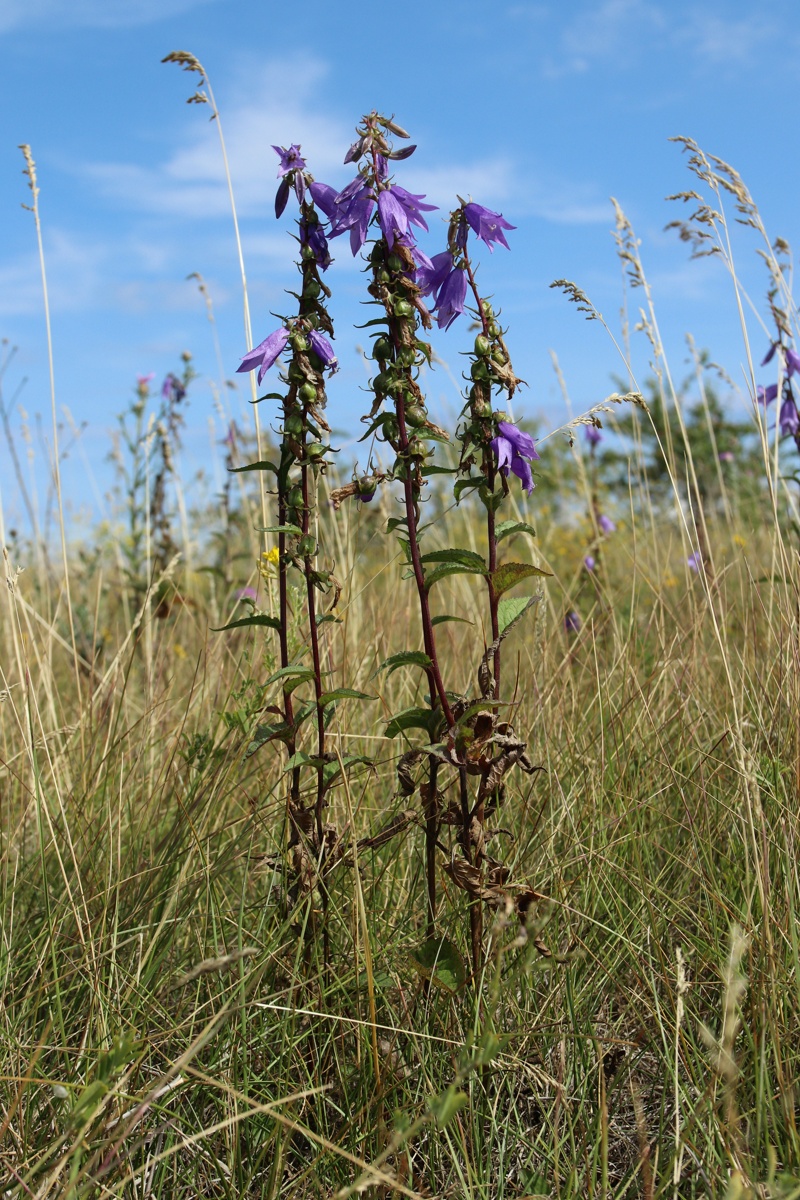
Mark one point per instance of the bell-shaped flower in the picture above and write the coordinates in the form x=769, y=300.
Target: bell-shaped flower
x=593, y=435
x=789, y=419
x=291, y=159
x=515, y=450
x=487, y=225
x=429, y=278
x=397, y=209
x=324, y=197
x=265, y=354
x=452, y=297
x=313, y=235
x=765, y=395
x=605, y=524
x=323, y=350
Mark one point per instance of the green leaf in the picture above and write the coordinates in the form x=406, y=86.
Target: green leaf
x=268, y=396
x=374, y=321
x=451, y=569
x=446, y=617
x=291, y=672
x=411, y=718
x=244, y=622
x=433, y=470
x=262, y=465
x=510, y=574
x=326, y=618
x=463, y=485
x=467, y=558
x=443, y=1108
x=397, y=523
x=406, y=658
x=343, y=694
x=331, y=770
x=510, y=609
x=439, y=960
x=505, y=529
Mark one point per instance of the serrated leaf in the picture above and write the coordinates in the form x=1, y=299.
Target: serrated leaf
x=440, y=620
x=397, y=523
x=343, y=694
x=510, y=574
x=505, y=529
x=464, y=485
x=439, y=960
x=509, y=610
x=467, y=558
x=446, y=569
x=261, y=465
x=409, y=718
x=406, y=658
x=243, y=622
x=443, y=1108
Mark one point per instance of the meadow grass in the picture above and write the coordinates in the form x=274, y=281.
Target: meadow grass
x=171, y=1022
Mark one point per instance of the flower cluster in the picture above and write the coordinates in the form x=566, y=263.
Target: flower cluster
x=788, y=416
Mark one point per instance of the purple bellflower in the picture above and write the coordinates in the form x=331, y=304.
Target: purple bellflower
x=789, y=419
x=429, y=278
x=605, y=523
x=572, y=622
x=790, y=357
x=695, y=562
x=324, y=197
x=266, y=353
x=487, y=225
x=765, y=395
x=515, y=449
x=291, y=160
x=351, y=210
x=397, y=209
x=590, y=562
x=173, y=389
x=451, y=298
x=593, y=435
x=323, y=350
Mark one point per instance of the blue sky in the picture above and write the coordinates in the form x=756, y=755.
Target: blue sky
x=540, y=110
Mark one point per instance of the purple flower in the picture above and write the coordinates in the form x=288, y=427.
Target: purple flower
x=790, y=357
x=247, y=593
x=572, y=622
x=324, y=197
x=765, y=395
x=291, y=159
x=173, y=389
x=695, y=561
x=282, y=197
x=352, y=209
x=789, y=420
x=265, y=354
x=451, y=298
x=487, y=225
x=429, y=279
x=605, y=523
x=726, y=456
x=593, y=435
x=769, y=355
x=515, y=449
x=397, y=209
x=590, y=562
x=313, y=235
x=324, y=350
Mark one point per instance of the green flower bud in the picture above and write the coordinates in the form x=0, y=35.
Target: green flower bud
x=307, y=545
x=382, y=350
x=417, y=448
x=308, y=393
x=295, y=374
x=298, y=341
x=383, y=275
x=415, y=415
x=295, y=497
x=494, y=329
x=407, y=356
x=482, y=346
x=315, y=451
x=478, y=370
x=402, y=308
x=293, y=425
x=312, y=289
x=498, y=356
x=394, y=262
x=381, y=383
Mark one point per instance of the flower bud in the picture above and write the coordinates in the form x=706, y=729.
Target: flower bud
x=312, y=289
x=402, y=308
x=315, y=451
x=298, y=341
x=293, y=425
x=407, y=356
x=382, y=350
x=295, y=497
x=381, y=383
x=417, y=448
x=415, y=415
x=308, y=393
x=482, y=346
x=307, y=546
x=478, y=370
x=295, y=373
x=394, y=262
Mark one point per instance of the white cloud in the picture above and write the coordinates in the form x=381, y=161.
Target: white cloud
x=607, y=31
x=98, y=14
x=727, y=42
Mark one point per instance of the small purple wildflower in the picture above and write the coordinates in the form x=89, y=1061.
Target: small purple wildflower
x=451, y=298
x=352, y=209
x=765, y=395
x=695, y=561
x=789, y=419
x=247, y=593
x=515, y=450
x=590, y=562
x=266, y=353
x=173, y=389
x=726, y=456
x=593, y=435
x=291, y=159
x=790, y=357
x=605, y=523
x=487, y=225
x=324, y=350
x=324, y=197
x=572, y=622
